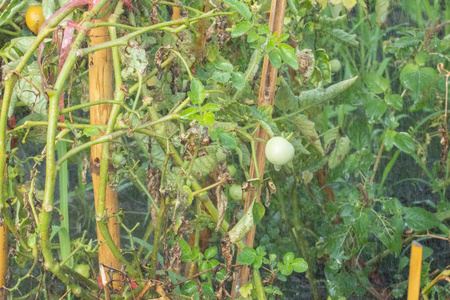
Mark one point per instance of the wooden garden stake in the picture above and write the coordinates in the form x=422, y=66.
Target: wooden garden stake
x=3, y=259
x=266, y=97
x=100, y=88
x=415, y=271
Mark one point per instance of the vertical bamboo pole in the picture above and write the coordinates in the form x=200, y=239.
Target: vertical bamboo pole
x=415, y=271
x=266, y=97
x=3, y=259
x=100, y=88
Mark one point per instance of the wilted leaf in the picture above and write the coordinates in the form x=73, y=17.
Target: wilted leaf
x=319, y=96
x=307, y=128
x=343, y=37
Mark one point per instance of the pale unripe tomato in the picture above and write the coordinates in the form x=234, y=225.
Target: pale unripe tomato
x=232, y=170
x=279, y=151
x=335, y=65
x=221, y=156
x=83, y=270
x=236, y=192
x=34, y=18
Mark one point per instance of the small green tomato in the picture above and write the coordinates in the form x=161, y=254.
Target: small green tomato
x=236, y=192
x=279, y=151
x=83, y=269
x=221, y=156
x=335, y=65
x=232, y=170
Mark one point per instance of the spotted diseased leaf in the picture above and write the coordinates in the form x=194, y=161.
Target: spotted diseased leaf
x=242, y=227
x=343, y=37
x=381, y=10
x=285, y=99
x=319, y=96
x=307, y=128
x=340, y=151
x=204, y=165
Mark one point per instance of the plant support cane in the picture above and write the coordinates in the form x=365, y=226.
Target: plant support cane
x=100, y=88
x=415, y=271
x=266, y=97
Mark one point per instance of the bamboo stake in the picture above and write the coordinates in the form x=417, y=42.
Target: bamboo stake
x=101, y=88
x=266, y=97
x=415, y=271
x=3, y=259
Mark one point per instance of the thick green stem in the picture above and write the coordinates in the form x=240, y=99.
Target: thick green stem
x=45, y=215
x=258, y=285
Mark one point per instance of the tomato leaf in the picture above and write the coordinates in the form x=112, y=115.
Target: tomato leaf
x=288, y=55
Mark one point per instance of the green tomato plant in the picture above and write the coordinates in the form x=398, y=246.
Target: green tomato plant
x=182, y=128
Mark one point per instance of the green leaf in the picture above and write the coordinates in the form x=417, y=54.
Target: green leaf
x=238, y=80
x=275, y=59
x=210, y=107
x=359, y=134
x=241, y=29
x=389, y=139
x=240, y=7
x=285, y=99
x=420, y=219
x=395, y=100
x=419, y=80
x=247, y=256
x=11, y=10
x=381, y=10
x=208, y=290
x=197, y=93
x=189, y=288
x=207, y=118
x=246, y=290
x=361, y=228
x=210, y=252
x=91, y=131
x=300, y=265
x=288, y=258
x=404, y=142
x=258, y=212
x=375, y=109
x=343, y=37
x=307, y=128
x=376, y=83
x=221, y=77
x=225, y=66
x=285, y=269
x=319, y=96
x=188, y=112
x=322, y=63
x=288, y=55
x=228, y=140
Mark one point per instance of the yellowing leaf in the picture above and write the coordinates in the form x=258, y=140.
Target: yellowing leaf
x=349, y=3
